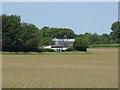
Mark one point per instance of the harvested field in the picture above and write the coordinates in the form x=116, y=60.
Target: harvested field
x=99, y=70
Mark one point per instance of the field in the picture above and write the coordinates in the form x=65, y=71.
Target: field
x=98, y=70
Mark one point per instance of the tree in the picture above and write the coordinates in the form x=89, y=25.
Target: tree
x=44, y=31
x=105, y=39
x=10, y=30
x=90, y=38
x=59, y=33
x=65, y=33
x=30, y=37
x=46, y=41
x=0, y=33
x=95, y=38
x=17, y=36
x=80, y=44
x=115, y=31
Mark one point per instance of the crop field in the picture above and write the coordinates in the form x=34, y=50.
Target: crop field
x=98, y=70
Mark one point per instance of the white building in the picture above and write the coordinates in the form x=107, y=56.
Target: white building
x=60, y=44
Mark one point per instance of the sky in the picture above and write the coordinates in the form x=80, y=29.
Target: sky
x=81, y=17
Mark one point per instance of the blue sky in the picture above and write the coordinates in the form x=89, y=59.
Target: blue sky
x=81, y=17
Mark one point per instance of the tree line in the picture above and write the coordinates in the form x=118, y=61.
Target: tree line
x=20, y=36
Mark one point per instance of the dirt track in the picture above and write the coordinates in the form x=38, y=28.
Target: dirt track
x=98, y=70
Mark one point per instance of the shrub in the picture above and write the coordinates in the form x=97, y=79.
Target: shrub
x=80, y=44
x=47, y=50
x=70, y=49
x=44, y=50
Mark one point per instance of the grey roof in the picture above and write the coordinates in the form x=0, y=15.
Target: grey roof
x=65, y=40
x=59, y=46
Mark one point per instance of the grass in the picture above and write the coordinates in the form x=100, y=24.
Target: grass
x=105, y=45
x=99, y=70
x=46, y=53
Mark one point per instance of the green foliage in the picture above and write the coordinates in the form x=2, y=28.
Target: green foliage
x=0, y=33
x=105, y=39
x=10, y=30
x=104, y=45
x=46, y=41
x=97, y=39
x=59, y=33
x=17, y=36
x=90, y=38
x=116, y=31
x=70, y=49
x=80, y=44
x=45, y=50
x=30, y=37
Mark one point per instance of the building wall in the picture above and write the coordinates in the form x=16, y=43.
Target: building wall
x=48, y=47
x=59, y=49
x=65, y=42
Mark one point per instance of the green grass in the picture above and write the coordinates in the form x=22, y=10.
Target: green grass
x=104, y=45
x=46, y=53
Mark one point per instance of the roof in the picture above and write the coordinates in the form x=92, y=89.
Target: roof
x=65, y=40
x=45, y=46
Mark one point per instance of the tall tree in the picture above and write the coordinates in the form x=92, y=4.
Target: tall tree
x=10, y=30
x=116, y=31
x=0, y=32
x=104, y=38
x=17, y=36
x=30, y=37
x=57, y=32
x=91, y=38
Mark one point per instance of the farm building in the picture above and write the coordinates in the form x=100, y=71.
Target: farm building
x=60, y=44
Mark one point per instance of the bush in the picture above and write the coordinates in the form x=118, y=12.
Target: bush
x=80, y=44
x=47, y=50
x=44, y=50
x=70, y=49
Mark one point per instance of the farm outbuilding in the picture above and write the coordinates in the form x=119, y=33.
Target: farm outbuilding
x=60, y=44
